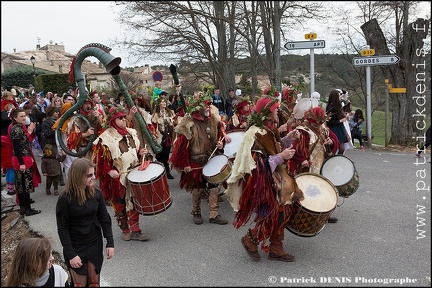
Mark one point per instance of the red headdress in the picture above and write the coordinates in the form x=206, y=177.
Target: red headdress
x=316, y=115
x=114, y=113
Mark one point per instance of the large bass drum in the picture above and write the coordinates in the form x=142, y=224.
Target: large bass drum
x=340, y=170
x=150, y=190
x=311, y=214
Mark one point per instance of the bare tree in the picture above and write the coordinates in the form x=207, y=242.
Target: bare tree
x=209, y=35
x=411, y=72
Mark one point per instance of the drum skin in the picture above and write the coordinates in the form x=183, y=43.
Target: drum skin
x=340, y=170
x=217, y=169
x=150, y=190
x=310, y=215
x=231, y=148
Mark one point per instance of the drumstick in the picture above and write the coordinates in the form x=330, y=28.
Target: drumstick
x=216, y=147
x=143, y=156
x=195, y=168
x=127, y=171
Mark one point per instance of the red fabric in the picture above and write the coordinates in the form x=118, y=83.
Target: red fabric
x=37, y=178
x=259, y=199
x=180, y=160
x=5, y=104
x=6, y=152
x=263, y=102
x=111, y=188
x=301, y=154
x=71, y=76
x=28, y=161
x=241, y=105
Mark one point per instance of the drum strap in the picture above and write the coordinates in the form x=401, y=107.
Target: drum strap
x=319, y=138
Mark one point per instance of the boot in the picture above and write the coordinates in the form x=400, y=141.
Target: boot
x=137, y=235
x=61, y=181
x=250, y=244
x=167, y=169
x=197, y=218
x=276, y=249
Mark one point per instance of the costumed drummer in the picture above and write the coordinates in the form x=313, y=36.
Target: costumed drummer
x=198, y=134
x=259, y=186
x=115, y=152
x=241, y=110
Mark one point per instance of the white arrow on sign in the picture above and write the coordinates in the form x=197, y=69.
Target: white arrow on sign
x=305, y=44
x=376, y=60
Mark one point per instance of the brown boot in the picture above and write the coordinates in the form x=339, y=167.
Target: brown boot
x=250, y=246
x=48, y=192
x=276, y=249
x=197, y=218
x=139, y=236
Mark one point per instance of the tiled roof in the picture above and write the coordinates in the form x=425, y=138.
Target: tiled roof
x=56, y=59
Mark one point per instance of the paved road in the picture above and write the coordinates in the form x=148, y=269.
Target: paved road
x=383, y=235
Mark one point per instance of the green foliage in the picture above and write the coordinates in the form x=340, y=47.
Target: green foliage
x=18, y=76
x=52, y=82
x=46, y=81
x=245, y=85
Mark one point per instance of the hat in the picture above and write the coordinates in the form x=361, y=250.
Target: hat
x=316, y=115
x=241, y=102
x=238, y=92
x=13, y=91
x=266, y=102
x=302, y=106
x=116, y=112
x=339, y=90
x=315, y=95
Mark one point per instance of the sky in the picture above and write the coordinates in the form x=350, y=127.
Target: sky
x=71, y=23
x=78, y=23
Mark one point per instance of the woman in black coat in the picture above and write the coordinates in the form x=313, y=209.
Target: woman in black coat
x=82, y=221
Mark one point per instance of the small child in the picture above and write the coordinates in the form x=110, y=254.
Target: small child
x=51, y=167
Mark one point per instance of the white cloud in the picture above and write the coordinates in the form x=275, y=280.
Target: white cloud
x=73, y=24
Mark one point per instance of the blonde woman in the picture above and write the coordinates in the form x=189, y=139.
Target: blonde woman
x=82, y=223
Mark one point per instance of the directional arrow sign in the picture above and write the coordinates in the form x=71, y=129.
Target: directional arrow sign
x=305, y=44
x=376, y=60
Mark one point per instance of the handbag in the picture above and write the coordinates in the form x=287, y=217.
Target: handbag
x=355, y=132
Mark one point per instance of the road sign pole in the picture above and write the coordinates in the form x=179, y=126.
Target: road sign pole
x=386, y=116
x=369, y=106
x=312, y=71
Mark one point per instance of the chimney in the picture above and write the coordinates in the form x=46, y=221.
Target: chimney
x=14, y=50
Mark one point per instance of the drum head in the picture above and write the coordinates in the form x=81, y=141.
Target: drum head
x=319, y=193
x=153, y=171
x=231, y=148
x=215, y=165
x=339, y=169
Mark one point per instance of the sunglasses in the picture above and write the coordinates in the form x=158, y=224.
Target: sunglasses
x=122, y=117
x=90, y=175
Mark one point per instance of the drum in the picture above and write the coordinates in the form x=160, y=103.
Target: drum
x=320, y=199
x=217, y=169
x=340, y=170
x=230, y=149
x=150, y=190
